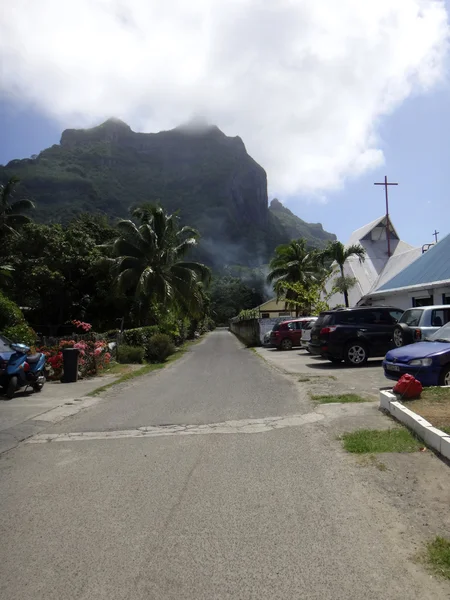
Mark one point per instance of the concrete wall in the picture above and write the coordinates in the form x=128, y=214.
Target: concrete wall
x=404, y=299
x=252, y=331
x=247, y=331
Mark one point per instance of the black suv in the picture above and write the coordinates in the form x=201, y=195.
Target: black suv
x=354, y=334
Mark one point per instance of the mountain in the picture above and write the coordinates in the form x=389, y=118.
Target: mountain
x=194, y=169
x=295, y=227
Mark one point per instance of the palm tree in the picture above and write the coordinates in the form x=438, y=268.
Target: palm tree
x=339, y=254
x=11, y=213
x=148, y=261
x=294, y=263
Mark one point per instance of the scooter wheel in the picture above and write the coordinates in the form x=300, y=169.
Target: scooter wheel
x=12, y=387
x=37, y=387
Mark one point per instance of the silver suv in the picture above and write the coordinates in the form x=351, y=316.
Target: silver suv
x=417, y=324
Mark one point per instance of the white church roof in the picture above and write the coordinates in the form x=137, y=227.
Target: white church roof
x=378, y=267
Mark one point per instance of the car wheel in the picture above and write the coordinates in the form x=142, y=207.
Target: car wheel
x=335, y=361
x=355, y=354
x=402, y=336
x=444, y=377
x=286, y=344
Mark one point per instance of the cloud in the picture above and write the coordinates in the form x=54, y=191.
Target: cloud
x=303, y=82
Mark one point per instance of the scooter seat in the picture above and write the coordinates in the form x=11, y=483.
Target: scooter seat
x=33, y=358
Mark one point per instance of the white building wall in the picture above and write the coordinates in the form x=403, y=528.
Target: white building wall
x=405, y=299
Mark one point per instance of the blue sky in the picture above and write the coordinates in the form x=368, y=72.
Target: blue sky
x=369, y=82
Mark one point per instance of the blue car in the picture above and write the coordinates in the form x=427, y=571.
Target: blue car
x=428, y=361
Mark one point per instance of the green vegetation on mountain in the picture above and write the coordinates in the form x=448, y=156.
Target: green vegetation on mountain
x=199, y=172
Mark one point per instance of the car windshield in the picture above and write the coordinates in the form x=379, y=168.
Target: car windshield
x=442, y=334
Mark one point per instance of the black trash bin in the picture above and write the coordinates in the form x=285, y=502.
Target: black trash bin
x=70, y=358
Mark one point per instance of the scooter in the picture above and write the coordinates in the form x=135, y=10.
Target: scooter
x=22, y=370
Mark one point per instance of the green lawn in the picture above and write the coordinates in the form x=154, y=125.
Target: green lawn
x=340, y=398
x=373, y=441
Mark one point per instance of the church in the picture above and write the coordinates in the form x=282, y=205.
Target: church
x=386, y=256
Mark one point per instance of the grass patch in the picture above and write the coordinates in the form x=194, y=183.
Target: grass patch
x=132, y=373
x=436, y=394
x=438, y=556
x=116, y=369
x=434, y=406
x=373, y=441
x=304, y=379
x=340, y=398
x=372, y=461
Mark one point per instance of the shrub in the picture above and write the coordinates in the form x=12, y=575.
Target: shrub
x=21, y=334
x=10, y=313
x=130, y=354
x=139, y=336
x=160, y=348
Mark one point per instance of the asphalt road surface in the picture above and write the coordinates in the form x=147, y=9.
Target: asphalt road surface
x=211, y=479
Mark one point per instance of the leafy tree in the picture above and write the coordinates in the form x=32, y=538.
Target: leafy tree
x=147, y=261
x=230, y=295
x=294, y=263
x=11, y=212
x=339, y=254
x=57, y=275
x=307, y=298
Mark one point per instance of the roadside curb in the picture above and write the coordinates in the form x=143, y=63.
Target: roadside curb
x=434, y=438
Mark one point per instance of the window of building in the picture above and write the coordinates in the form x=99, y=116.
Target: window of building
x=265, y=316
x=284, y=313
x=445, y=298
x=425, y=301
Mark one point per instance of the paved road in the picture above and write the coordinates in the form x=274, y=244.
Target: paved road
x=201, y=512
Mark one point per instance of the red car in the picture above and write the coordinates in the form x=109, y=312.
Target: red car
x=288, y=334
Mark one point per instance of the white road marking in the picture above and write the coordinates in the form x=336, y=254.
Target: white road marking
x=242, y=426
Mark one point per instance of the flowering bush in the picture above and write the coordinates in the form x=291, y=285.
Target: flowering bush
x=94, y=356
x=86, y=327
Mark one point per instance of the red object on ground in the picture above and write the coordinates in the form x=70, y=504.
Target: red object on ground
x=408, y=387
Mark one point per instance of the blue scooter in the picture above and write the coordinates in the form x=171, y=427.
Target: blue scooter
x=22, y=370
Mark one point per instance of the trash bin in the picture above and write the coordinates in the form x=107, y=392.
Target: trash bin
x=70, y=358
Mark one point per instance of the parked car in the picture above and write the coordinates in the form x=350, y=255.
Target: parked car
x=427, y=361
x=354, y=334
x=420, y=323
x=288, y=334
x=266, y=339
x=306, y=333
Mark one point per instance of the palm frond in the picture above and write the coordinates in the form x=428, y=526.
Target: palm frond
x=20, y=206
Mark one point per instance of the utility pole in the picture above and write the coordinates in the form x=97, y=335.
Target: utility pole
x=386, y=183
x=436, y=233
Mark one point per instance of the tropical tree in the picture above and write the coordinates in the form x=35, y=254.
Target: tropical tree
x=147, y=260
x=11, y=213
x=338, y=254
x=294, y=263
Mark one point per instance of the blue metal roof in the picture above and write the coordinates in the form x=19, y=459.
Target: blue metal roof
x=433, y=265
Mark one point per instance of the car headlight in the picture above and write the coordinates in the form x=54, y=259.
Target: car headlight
x=421, y=362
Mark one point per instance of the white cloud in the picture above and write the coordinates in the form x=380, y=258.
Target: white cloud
x=303, y=82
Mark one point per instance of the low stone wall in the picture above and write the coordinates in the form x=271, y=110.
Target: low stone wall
x=252, y=331
x=246, y=330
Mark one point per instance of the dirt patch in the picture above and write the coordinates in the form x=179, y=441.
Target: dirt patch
x=434, y=406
